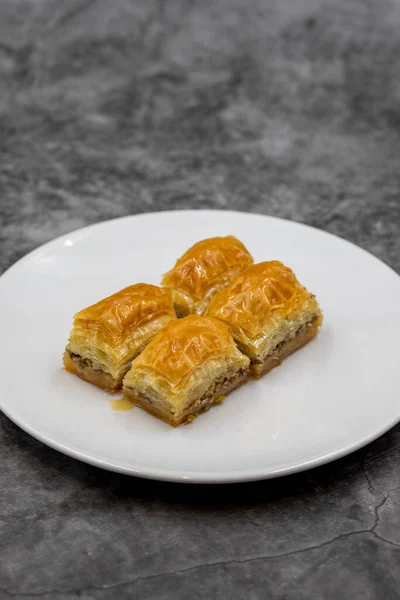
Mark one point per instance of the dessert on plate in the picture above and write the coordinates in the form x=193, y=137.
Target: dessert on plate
x=236, y=319
x=191, y=364
x=269, y=313
x=203, y=270
x=108, y=335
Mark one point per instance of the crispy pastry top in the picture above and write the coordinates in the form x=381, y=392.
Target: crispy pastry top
x=259, y=298
x=115, y=329
x=184, y=354
x=125, y=310
x=205, y=268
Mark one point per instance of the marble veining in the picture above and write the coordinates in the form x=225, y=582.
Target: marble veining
x=288, y=108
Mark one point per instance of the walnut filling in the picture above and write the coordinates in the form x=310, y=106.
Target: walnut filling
x=283, y=343
x=217, y=391
x=91, y=371
x=84, y=363
x=214, y=394
x=303, y=335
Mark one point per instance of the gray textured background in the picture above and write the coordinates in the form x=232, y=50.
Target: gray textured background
x=283, y=107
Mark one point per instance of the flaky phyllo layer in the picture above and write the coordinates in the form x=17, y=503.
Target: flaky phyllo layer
x=114, y=331
x=183, y=361
x=263, y=307
x=203, y=270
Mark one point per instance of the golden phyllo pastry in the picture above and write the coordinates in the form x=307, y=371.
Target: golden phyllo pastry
x=269, y=313
x=203, y=270
x=107, y=336
x=190, y=364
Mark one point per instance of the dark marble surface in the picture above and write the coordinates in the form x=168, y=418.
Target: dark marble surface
x=283, y=107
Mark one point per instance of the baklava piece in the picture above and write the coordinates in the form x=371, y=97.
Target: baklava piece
x=190, y=365
x=203, y=270
x=107, y=336
x=269, y=313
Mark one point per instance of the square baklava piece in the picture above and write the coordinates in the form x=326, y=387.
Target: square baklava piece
x=107, y=336
x=203, y=270
x=269, y=313
x=190, y=365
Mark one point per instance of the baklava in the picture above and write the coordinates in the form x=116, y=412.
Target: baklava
x=269, y=313
x=190, y=365
x=203, y=270
x=107, y=336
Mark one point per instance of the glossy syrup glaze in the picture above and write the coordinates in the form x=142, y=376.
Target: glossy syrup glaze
x=264, y=290
x=129, y=308
x=208, y=264
x=183, y=346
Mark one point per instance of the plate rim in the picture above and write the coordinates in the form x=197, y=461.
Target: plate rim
x=199, y=477
x=291, y=222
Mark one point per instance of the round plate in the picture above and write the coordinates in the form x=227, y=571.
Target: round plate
x=330, y=398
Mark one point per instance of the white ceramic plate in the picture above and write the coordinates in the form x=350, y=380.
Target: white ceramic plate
x=330, y=398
